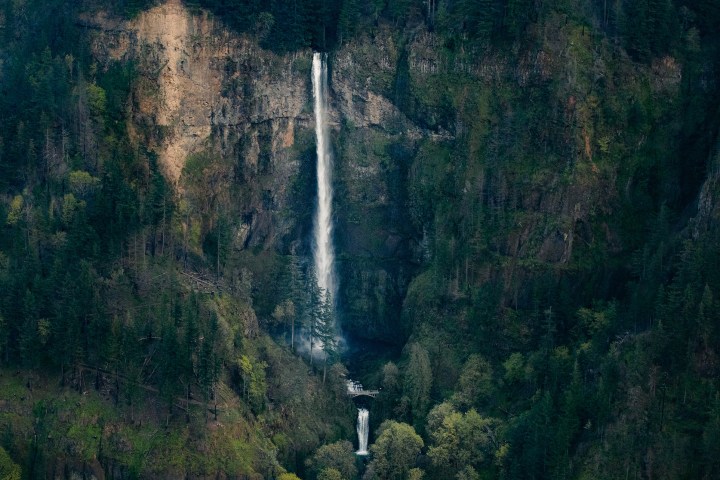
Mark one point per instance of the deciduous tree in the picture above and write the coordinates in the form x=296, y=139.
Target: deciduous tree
x=395, y=451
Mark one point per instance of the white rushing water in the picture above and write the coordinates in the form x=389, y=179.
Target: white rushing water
x=323, y=246
x=353, y=386
x=363, y=419
x=363, y=429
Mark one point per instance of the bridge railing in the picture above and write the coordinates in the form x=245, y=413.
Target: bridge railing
x=366, y=393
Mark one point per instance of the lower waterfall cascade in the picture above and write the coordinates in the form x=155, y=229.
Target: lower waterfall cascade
x=363, y=430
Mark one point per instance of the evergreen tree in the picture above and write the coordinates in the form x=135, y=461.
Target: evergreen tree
x=395, y=451
x=348, y=21
x=313, y=311
x=460, y=441
x=338, y=456
x=418, y=380
x=327, y=332
x=298, y=296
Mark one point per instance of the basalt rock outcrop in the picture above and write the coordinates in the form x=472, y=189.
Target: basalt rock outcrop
x=398, y=104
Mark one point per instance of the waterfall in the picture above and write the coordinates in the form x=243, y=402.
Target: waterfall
x=363, y=429
x=323, y=246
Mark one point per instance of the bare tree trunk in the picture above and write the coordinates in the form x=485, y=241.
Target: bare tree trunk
x=187, y=405
x=117, y=387
x=185, y=241
x=324, y=369
x=162, y=234
x=311, y=348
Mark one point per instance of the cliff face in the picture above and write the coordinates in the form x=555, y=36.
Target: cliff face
x=202, y=89
x=375, y=141
x=481, y=167
x=477, y=166
x=525, y=206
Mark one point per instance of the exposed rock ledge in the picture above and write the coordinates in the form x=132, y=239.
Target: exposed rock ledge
x=197, y=77
x=191, y=67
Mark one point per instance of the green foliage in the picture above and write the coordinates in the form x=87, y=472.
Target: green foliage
x=283, y=26
x=254, y=383
x=418, y=380
x=100, y=268
x=16, y=208
x=334, y=459
x=394, y=451
x=348, y=20
x=91, y=428
x=82, y=183
x=97, y=100
x=288, y=476
x=459, y=440
x=547, y=269
x=416, y=474
x=476, y=381
x=9, y=470
x=649, y=27
x=330, y=474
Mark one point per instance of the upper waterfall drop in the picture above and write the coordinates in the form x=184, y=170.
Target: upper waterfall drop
x=323, y=241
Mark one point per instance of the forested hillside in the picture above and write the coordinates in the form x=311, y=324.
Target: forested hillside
x=526, y=226
x=124, y=349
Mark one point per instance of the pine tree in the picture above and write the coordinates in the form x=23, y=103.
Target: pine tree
x=418, y=380
x=312, y=310
x=326, y=332
x=208, y=362
x=297, y=296
x=348, y=20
